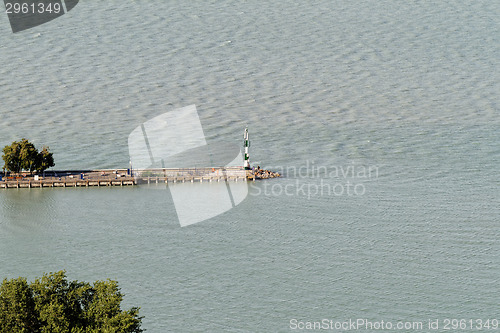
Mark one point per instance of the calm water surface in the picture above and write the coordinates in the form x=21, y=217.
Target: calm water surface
x=408, y=89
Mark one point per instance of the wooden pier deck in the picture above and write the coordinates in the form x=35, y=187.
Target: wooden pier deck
x=120, y=177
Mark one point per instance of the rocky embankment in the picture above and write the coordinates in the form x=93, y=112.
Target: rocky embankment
x=265, y=174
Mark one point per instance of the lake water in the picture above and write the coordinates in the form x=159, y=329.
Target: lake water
x=383, y=116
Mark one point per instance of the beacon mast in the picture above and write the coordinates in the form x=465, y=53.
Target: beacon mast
x=246, y=145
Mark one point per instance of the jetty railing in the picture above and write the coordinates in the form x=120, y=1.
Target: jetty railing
x=192, y=174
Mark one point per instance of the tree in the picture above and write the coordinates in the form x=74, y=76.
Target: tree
x=17, y=307
x=11, y=157
x=28, y=155
x=23, y=155
x=44, y=160
x=54, y=304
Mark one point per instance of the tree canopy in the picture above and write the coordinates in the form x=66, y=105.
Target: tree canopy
x=54, y=304
x=22, y=155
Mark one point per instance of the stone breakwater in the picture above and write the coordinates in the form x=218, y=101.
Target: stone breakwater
x=265, y=174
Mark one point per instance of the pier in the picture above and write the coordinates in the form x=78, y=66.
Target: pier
x=132, y=177
x=122, y=177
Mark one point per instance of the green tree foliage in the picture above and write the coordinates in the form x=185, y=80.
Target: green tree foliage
x=12, y=157
x=44, y=160
x=28, y=155
x=54, y=304
x=22, y=155
x=17, y=307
